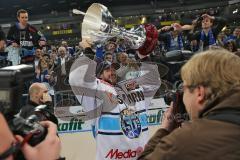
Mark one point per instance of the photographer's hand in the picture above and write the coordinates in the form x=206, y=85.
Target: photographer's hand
x=48, y=149
x=168, y=122
x=7, y=137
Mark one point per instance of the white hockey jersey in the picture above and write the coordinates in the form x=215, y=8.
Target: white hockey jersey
x=118, y=112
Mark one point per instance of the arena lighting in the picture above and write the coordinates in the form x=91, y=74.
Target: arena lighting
x=224, y=28
x=76, y=11
x=233, y=1
x=143, y=20
x=36, y=22
x=7, y=25
x=159, y=11
x=235, y=11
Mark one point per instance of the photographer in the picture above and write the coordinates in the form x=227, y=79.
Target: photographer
x=9, y=144
x=211, y=92
x=2, y=40
x=38, y=94
x=172, y=37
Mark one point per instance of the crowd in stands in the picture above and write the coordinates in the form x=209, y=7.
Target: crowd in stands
x=27, y=45
x=24, y=44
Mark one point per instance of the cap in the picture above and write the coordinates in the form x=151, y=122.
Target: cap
x=105, y=65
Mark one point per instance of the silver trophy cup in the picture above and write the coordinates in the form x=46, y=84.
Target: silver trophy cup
x=99, y=26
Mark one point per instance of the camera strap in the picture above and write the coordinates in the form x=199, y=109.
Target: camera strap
x=15, y=147
x=230, y=116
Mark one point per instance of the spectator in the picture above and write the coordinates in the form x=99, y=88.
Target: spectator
x=2, y=40
x=236, y=34
x=111, y=47
x=25, y=36
x=230, y=45
x=38, y=56
x=121, y=45
x=211, y=91
x=122, y=58
x=108, y=57
x=43, y=70
x=70, y=51
x=3, y=54
x=38, y=94
x=220, y=39
x=172, y=38
x=207, y=36
x=62, y=71
x=54, y=59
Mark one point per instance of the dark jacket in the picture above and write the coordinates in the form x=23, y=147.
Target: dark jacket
x=202, y=139
x=62, y=80
x=26, y=38
x=28, y=109
x=89, y=53
x=167, y=38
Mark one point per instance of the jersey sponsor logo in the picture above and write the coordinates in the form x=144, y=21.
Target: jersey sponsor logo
x=117, y=154
x=130, y=123
x=26, y=43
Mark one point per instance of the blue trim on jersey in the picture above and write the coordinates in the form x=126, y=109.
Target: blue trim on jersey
x=113, y=123
x=109, y=123
x=117, y=133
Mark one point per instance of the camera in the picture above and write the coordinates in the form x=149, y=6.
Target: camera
x=177, y=56
x=30, y=126
x=12, y=79
x=199, y=20
x=179, y=110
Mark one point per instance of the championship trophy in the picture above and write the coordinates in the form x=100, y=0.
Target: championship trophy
x=99, y=26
